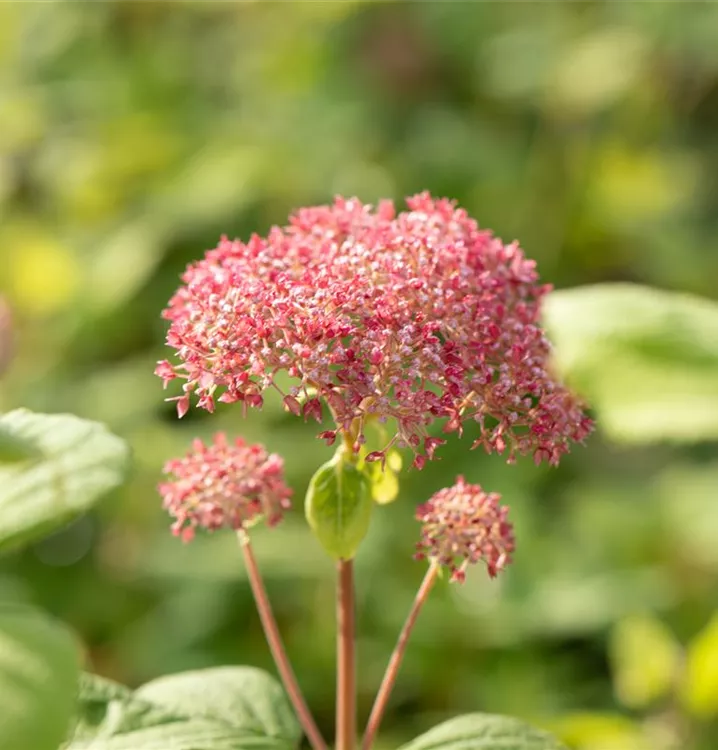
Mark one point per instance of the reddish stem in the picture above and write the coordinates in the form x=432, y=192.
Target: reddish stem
x=276, y=646
x=346, y=668
x=392, y=670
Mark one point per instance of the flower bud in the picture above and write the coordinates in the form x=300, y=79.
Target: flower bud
x=224, y=484
x=461, y=525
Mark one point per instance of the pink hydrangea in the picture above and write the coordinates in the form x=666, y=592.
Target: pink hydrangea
x=461, y=525
x=224, y=484
x=407, y=318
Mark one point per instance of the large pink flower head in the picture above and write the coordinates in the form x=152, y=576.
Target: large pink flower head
x=224, y=484
x=461, y=525
x=406, y=318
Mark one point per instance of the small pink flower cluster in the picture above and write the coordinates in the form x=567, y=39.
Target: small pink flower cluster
x=224, y=484
x=408, y=317
x=461, y=525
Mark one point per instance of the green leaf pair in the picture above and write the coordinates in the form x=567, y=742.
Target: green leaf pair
x=241, y=708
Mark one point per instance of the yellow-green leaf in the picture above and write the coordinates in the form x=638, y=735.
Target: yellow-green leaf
x=700, y=686
x=645, y=658
x=600, y=731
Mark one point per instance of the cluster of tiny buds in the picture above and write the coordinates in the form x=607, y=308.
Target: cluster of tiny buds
x=461, y=525
x=224, y=484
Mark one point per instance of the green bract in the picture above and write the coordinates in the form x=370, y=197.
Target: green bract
x=385, y=479
x=338, y=506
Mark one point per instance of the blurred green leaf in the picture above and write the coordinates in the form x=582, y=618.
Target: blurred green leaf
x=121, y=264
x=78, y=462
x=700, y=687
x=39, y=666
x=484, y=732
x=13, y=448
x=225, y=708
x=646, y=359
x=601, y=731
x=338, y=506
x=645, y=659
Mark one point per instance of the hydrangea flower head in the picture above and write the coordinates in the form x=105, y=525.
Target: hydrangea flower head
x=224, y=484
x=461, y=525
x=406, y=318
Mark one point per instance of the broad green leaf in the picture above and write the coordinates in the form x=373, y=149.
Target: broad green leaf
x=225, y=708
x=646, y=359
x=107, y=708
x=484, y=732
x=242, y=697
x=645, y=659
x=39, y=666
x=197, y=734
x=338, y=506
x=77, y=462
x=700, y=687
x=14, y=449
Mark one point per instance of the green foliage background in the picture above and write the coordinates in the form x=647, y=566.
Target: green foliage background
x=132, y=134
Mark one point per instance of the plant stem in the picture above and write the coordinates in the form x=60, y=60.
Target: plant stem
x=271, y=631
x=392, y=670
x=346, y=669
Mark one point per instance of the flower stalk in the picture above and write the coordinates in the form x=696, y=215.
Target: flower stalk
x=276, y=646
x=389, y=680
x=346, y=721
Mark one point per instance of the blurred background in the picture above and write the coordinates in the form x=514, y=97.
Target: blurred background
x=133, y=134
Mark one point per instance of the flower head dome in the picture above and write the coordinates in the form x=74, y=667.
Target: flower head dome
x=224, y=484
x=406, y=318
x=461, y=525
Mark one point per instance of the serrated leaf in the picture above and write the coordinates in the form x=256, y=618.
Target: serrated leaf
x=646, y=359
x=645, y=658
x=76, y=463
x=484, y=732
x=224, y=708
x=39, y=666
x=241, y=697
x=338, y=507
x=699, y=692
x=107, y=708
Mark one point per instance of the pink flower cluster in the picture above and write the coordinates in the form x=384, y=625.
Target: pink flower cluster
x=224, y=484
x=461, y=525
x=406, y=317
